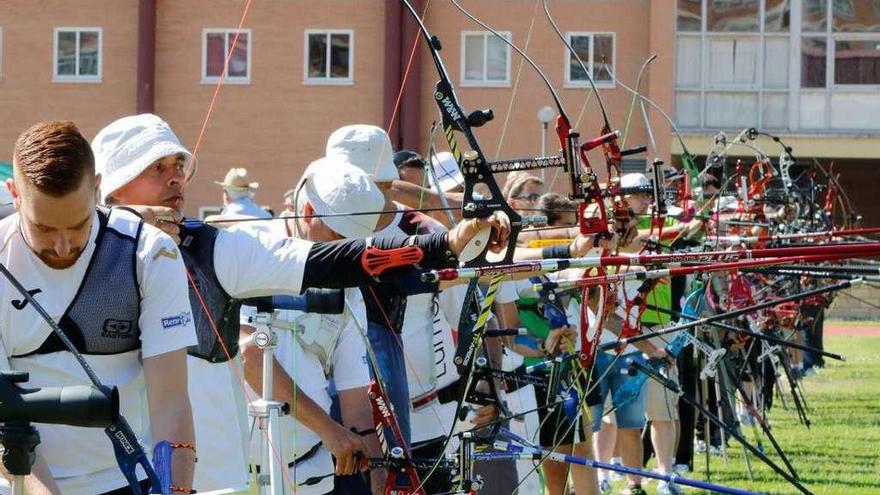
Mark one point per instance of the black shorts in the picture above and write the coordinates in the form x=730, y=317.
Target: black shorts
x=556, y=429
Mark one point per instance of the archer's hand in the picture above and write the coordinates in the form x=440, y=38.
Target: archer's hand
x=628, y=233
x=485, y=415
x=163, y=218
x=583, y=244
x=464, y=232
x=558, y=338
x=348, y=448
x=660, y=354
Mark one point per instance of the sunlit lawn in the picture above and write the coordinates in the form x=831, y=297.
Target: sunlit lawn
x=840, y=452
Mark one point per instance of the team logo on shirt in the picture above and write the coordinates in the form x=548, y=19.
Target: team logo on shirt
x=116, y=329
x=176, y=320
x=166, y=253
x=20, y=304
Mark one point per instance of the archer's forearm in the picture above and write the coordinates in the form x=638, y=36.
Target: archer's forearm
x=303, y=408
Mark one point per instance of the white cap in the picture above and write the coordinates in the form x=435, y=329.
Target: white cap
x=367, y=147
x=447, y=171
x=635, y=181
x=334, y=188
x=126, y=147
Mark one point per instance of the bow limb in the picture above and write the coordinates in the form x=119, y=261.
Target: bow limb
x=635, y=99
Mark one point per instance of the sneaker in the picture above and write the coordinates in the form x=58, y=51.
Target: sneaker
x=746, y=418
x=681, y=468
x=700, y=446
x=666, y=488
x=616, y=475
x=716, y=451
x=605, y=487
x=634, y=490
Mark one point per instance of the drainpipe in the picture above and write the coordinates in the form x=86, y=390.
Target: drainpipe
x=411, y=124
x=392, y=72
x=146, y=57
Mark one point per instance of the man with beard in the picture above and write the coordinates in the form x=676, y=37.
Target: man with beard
x=144, y=164
x=73, y=258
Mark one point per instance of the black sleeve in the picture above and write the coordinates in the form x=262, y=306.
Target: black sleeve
x=337, y=264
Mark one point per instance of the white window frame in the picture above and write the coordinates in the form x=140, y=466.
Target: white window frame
x=227, y=79
x=589, y=63
x=484, y=83
x=832, y=62
x=206, y=211
x=758, y=88
x=76, y=78
x=327, y=80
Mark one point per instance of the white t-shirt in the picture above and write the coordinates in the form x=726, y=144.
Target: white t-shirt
x=246, y=266
x=299, y=359
x=81, y=459
x=345, y=358
x=245, y=207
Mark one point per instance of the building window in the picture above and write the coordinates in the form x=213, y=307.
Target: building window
x=329, y=57
x=597, y=53
x=485, y=59
x=732, y=64
x=839, y=65
x=207, y=211
x=745, y=63
x=78, y=55
x=222, y=46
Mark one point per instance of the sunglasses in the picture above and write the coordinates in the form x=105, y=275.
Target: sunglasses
x=528, y=197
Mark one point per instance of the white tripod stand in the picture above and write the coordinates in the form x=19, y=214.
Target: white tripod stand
x=267, y=412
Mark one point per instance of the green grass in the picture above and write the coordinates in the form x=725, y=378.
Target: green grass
x=840, y=453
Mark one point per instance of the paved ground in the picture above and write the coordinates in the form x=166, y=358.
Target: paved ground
x=853, y=328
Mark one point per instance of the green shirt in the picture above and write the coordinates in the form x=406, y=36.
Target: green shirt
x=661, y=295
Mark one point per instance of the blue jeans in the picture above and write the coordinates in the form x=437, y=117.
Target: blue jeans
x=392, y=366
x=632, y=413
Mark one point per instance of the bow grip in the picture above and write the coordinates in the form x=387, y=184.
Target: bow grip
x=599, y=141
x=555, y=316
x=591, y=225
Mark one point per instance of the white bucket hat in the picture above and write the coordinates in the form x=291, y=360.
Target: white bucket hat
x=447, y=171
x=367, y=147
x=126, y=147
x=635, y=182
x=334, y=188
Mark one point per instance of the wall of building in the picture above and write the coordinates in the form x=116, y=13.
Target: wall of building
x=27, y=92
x=516, y=132
x=276, y=125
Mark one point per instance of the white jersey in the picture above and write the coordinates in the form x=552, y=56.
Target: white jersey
x=299, y=354
x=246, y=266
x=81, y=459
x=311, y=349
x=245, y=207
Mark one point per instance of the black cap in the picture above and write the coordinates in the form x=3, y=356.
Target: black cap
x=410, y=158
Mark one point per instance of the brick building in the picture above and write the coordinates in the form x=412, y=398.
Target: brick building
x=806, y=69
